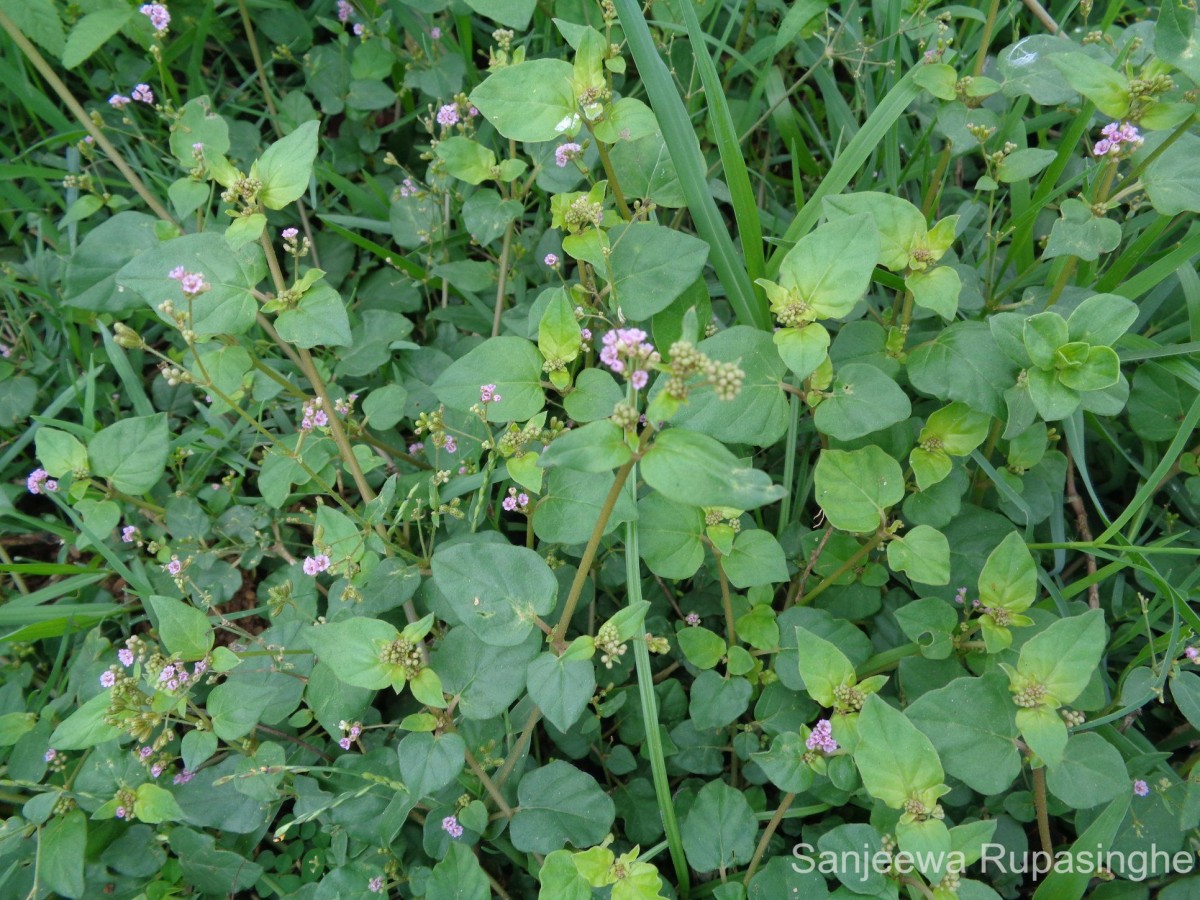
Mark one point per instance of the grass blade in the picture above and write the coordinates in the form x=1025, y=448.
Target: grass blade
x=684, y=147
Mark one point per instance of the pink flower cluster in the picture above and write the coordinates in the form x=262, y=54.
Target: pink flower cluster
x=822, y=738
x=564, y=153
x=375, y=885
x=125, y=655
x=129, y=534
x=1115, y=137
x=487, y=394
x=193, y=283
x=175, y=675
x=108, y=678
x=351, y=731
x=314, y=416
x=158, y=16
x=143, y=94
x=314, y=565
x=627, y=350
x=344, y=10
x=693, y=619
x=448, y=114
x=40, y=482
x=451, y=827
x=1193, y=654
x=185, y=776
x=515, y=502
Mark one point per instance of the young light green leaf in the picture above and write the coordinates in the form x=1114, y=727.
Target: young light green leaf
x=855, y=487
x=286, y=166
x=823, y=666
x=897, y=762
x=531, y=101
x=184, y=629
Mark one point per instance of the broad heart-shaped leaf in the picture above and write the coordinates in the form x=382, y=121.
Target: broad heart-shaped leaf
x=353, y=649
x=495, y=589
x=956, y=428
x=803, y=349
x=90, y=279
x=228, y=307
x=559, y=878
x=531, y=101
x=864, y=400
x=596, y=447
x=85, y=727
x=1044, y=731
x=694, y=469
x=184, y=629
x=720, y=830
x=963, y=363
x=823, y=666
x=1009, y=577
x=927, y=844
x=60, y=453
x=759, y=413
x=972, y=724
x=895, y=759
x=557, y=805
x=854, y=487
x=1101, y=319
x=670, y=536
x=1176, y=39
x=513, y=14
x=209, y=870
x=1171, y=181
x=899, y=224
x=784, y=763
x=757, y=559
x=1028, y=68
x=1092, y=772
x=922, y=553
x=512, y=364
x=155, y=804
x=651, y=266
x=936, y=290
x=561, y=688
x=1052, y=399
x=319, y=320
x=286, y=167
x=428, y=763
x=131, y=453
x=1080, y=232
x=466, y=160
x=458, y=876
x=62, y=849
x=198, y=124
x=830, y=267
x=1097, y=81
x=1063, y=656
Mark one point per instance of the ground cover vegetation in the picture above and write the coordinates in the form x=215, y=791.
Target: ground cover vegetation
x=568, y=449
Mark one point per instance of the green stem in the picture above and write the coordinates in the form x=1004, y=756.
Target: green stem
x=766, y=836
x=845, y=567
x=986, y=39
x=1039, y=804
x=502, y=281
x=645, y=678
x=611, y=174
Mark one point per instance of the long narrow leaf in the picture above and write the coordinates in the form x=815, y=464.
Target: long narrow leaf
x=684, y=147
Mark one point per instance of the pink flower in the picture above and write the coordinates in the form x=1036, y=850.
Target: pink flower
x=120, y=812
x=198, y=149
x=415, y=447
x=344, y=743
x=627, y=344
x=472, y=112
x=177, y=273
x=359, y=29
x=143, y=94
x=435, y=33
x=693, y=619
x=315, y=564
x=1192, y=653
x=821, y=738
x=448, y=114
x=451, y=445
x=1141, y=788
x=184, y=777
x=585, y=334
x=193, y=284
x=407, y=187
x=5, y=351
x=158, y=15
x=125, y=655
x=50, y=754
x=145, y=752
x=1104, y=147
x=550, y=259
x=200, y=668
x=174, y=566
x=290, y=234
x=960, y=596
x=39, y=481
x=1115, y=136
x=344, y=10
x=487, y=393
x=166, y=674
x=108, y=678
x=320, y=419
x=156, y=770
x=119, y=101
x=639, y=379
x=129, y=534
x=451, y=827
x=515, y=502
x=565, y=153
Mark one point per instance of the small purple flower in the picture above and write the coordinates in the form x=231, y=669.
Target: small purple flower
x=145, y=752
x=38, y=481
x=156, y=770
x=1141, y=788
x=129, y=534
x=375, y=885
x=49, y=755
x=624, y=345
x=344, y=743
x=177, y=273
x=125, y=655
x=158, y=15
x=320, y=419
x=639, y=379
x=451, y=827
x=359, y=29
x=316, y=564
x=693, y=619
x=120, y=812
x=448, y=114
x=193, y=284
x=408, y=187
x=435, y=33
x=200, y=668
x=198, y=148
x=564, y=153
x=1192, y=653
x=290, y=234
x=108, y=678
x=173, y=684
x=550, y=259
x=344, y=10
x=415, y=447
x=585, y=334
x=451, y=445
x=487, y=393
x=472, y=112
x=143, y=94
x=184, y=777
x=174, y=566
x=166, y=674
x=1104, y=147
x=119, y=101
x=5, y=350
x=515, y=502
x=960, y=596
x=822, y=738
